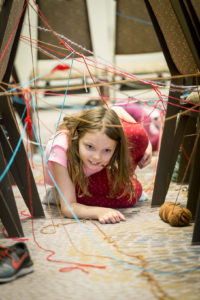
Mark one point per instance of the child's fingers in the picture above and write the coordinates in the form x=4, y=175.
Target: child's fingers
x=114, y=217
x=107, y=220
x=122, y=217
x=117, y=219
x=102, y=221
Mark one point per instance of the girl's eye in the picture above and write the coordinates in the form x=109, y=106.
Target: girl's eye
x=107, y=150
x=89, y=146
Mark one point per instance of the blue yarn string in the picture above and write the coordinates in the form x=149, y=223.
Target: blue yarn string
x=14, y=153
x=133, y=18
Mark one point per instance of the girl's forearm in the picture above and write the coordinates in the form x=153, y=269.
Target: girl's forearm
x=102, y=214
x=82, y=211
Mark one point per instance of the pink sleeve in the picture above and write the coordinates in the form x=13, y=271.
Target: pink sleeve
x=58, y=155
x=56, y=152
x=56, y=149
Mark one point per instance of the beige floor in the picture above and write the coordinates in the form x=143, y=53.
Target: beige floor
x=123, y=250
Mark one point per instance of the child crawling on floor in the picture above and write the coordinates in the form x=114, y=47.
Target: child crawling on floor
x=92, y=160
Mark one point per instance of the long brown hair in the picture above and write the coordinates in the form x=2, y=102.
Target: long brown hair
x=107, y=121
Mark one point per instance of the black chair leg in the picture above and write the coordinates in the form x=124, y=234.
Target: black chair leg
x=196, y=232
x=187, y=145
x=25, y=179
x=8, y=209
x=167, y=154
x=193, y=192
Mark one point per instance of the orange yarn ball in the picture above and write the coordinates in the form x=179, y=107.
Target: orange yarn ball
x=175, y=215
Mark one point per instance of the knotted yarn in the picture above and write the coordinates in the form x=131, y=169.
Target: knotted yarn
x=60, y=67
x=175, y=215
x=28, y=119
x=29, y=123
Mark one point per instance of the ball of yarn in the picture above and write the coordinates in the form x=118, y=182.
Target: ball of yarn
x=193, y=98
x=175, y=215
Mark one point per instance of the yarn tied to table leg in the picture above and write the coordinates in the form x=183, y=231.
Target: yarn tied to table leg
x=175, y=215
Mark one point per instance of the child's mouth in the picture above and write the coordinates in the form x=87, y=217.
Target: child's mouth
x=93, y=163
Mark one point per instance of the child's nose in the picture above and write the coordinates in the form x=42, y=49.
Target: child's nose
x=97, y=155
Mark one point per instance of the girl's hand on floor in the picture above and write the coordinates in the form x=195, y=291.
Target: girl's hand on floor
x=109, y=215
x=146, y=159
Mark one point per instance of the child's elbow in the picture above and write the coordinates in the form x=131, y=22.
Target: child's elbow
x=67, y=212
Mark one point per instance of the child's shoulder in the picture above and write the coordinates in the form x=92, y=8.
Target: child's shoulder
x=62, y=136
x=59, y=139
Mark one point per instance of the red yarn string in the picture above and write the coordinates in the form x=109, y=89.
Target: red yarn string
x=77, y=265
x=13, y=238
x=28, y=114
x=27, y=216
x=68, y=47
x=185, y=154
x=60, y=68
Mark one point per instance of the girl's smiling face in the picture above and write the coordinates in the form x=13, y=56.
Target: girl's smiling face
x=96, y=149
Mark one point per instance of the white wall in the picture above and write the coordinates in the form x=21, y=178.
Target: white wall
x=101, y=16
